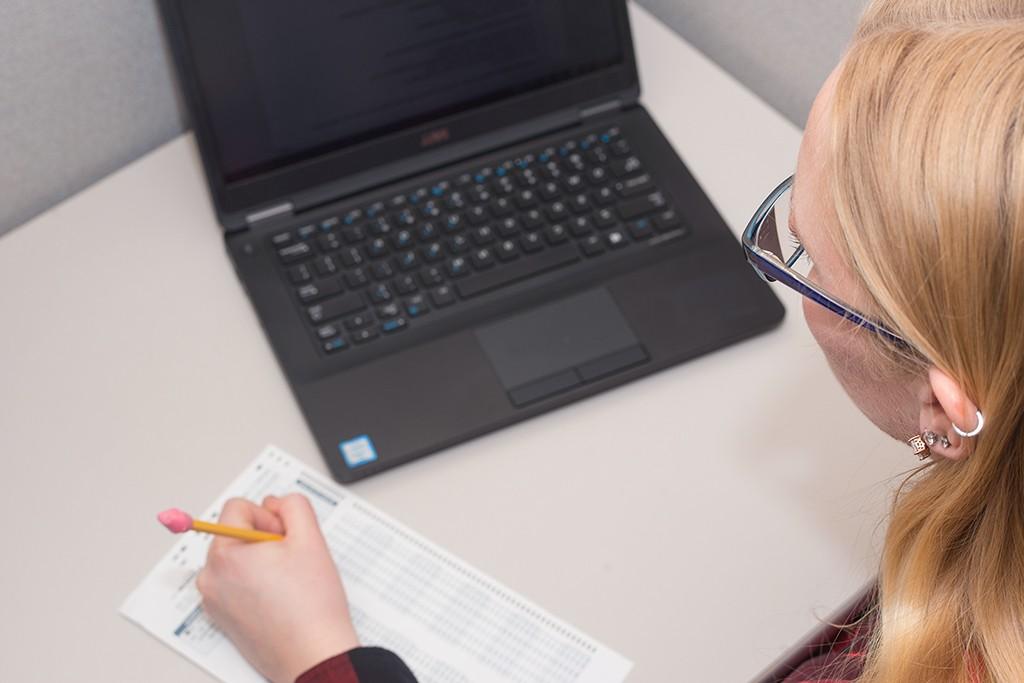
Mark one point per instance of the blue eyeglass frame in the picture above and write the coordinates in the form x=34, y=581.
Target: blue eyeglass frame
x=771, y=268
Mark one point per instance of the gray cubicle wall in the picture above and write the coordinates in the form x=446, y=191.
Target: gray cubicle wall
x=85, y=87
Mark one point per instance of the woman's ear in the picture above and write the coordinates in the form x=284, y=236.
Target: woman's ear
x=944, y=403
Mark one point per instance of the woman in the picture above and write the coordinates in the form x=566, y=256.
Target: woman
x=909, y=201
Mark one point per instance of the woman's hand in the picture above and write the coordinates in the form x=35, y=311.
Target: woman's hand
x=280, y=602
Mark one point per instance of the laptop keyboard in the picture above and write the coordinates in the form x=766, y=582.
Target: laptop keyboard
x=379, y=268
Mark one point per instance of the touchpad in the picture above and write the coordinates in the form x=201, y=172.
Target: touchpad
x=555, y=347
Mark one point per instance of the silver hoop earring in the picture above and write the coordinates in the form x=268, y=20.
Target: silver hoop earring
x=975, y=431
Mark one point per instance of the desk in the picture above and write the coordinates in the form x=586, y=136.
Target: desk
x=135, y=377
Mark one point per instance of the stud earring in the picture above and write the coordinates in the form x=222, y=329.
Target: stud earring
x=974, y=432
x=920, y=448
x=944, y=441
x=930, y=438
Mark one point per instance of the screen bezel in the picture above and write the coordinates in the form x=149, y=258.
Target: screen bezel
x=467, y=131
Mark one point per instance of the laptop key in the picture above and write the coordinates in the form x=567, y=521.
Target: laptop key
x=580, y=203
x=593, y=245
x=635, y=185
x=356, y=278
x=402, y=239
x=641, y=229
x=281, y=239
x=382, y=270
x=432, y=253
x=358, y=320
x=581, y=226
x=616, y=239
x=327, y=331
x=443, y=296
x=431, y=276
x=533, y=219
x=335, y=308
x=484, y=235
x=625, y=167
x=508, y=227
x=556, y=234
x=427, y=232
x=519, y=270
x=605, y=219
x=299, y=274
x=334, y=345
x=666, y=220
x=452, y=224
x=634, y=208
x=482, y=258
x=377, y=248
x=605, y=196
x=364, y=335
x=354, y=234
x=388, y=310
x=526, y=199
x=406, y=285
x=457, y=267
x=325, y=266
x=319, y=290
x=416, y=306
x=478, y=215
x=295, y=252
x=394, y=325
x=531, y=242
x=380, y=293
x=408, y=261
x=329, y=242
x=507, y=251
x=557, y=211
x=502, y=206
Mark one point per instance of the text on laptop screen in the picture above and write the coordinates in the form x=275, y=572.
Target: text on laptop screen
x=284, y=82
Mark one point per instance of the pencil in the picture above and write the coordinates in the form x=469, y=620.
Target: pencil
x=178, y=521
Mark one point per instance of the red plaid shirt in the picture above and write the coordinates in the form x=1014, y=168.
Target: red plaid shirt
x=841, y=662
x=361, y=665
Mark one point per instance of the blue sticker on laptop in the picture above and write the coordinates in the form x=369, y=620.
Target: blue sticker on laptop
x=358, y=451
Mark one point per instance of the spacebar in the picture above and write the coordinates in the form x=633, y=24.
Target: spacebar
x=519, y=270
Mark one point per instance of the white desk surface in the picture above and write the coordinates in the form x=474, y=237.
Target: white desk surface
x=135, y=376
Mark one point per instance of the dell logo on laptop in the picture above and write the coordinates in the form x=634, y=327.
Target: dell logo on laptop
x=435, y=137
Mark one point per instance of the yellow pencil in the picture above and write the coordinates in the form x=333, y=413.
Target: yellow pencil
x=178, y=521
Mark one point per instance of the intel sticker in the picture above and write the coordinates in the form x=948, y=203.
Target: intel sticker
x=358, y=451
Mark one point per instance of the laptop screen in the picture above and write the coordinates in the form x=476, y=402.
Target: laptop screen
x=284, y=82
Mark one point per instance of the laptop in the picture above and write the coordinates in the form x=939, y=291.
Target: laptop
x=451, y=216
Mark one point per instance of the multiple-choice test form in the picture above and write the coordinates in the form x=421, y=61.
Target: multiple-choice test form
x=449, y=622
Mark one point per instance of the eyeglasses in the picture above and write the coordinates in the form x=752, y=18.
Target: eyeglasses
x=777, y=255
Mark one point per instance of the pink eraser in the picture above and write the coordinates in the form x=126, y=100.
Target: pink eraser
x=176, y=521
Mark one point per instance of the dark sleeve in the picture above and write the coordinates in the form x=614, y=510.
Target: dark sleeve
x=361, y=665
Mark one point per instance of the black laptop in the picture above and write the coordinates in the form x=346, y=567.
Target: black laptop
x=451, y=216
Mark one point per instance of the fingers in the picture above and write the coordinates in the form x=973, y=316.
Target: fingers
x=246, y=515
x=297, y=515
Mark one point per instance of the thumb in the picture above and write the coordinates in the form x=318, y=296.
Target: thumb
x=298, y=517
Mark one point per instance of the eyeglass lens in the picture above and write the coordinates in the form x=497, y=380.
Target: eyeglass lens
x=776, y=237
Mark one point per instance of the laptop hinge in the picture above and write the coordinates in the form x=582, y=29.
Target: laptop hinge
x=283, y=209
x=604, y=107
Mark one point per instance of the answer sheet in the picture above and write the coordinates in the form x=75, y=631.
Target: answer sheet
x=449, y=622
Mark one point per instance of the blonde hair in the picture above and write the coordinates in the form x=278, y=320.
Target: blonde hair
x=926, y=170
x=887, y=14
